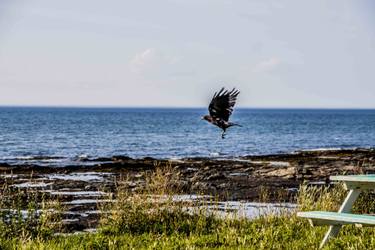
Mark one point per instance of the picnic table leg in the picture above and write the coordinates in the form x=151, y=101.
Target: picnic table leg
x=346, y=207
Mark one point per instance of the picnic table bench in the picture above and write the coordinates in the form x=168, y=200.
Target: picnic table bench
x=355, y=184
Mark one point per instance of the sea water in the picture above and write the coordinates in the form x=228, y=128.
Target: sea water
x=57, y=134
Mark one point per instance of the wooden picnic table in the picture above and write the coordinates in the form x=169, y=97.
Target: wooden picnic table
x=355, y=184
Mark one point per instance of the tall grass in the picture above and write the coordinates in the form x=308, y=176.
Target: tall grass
x=152, y=219
x=327, y=198
x=25, y=215
x=153, y=210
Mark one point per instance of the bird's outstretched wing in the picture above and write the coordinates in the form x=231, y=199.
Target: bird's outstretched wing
x=222, y=104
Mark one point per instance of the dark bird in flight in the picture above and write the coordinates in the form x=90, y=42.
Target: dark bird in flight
x=220, y=108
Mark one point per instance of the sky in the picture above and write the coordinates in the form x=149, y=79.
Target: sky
x=177, y=53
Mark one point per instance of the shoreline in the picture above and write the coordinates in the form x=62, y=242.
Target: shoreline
x=217, y=176
x=58, y=161
x=267, y=178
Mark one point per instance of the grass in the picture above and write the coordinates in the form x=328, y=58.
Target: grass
x=141, y=221
x=25, y=214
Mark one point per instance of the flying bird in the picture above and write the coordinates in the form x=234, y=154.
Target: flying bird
x=220, y=108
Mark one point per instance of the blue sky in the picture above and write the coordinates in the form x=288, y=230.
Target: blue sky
x=175, y=53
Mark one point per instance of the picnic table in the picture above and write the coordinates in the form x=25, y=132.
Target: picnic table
x=355, y=184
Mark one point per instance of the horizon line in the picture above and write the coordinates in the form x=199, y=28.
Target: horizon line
x=179, y=107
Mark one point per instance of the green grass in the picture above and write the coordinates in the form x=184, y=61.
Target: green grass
x=138, y=221
x=264, y=233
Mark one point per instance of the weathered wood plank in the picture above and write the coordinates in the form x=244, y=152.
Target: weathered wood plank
x=369, y=178
x=362, y=182
x=333, y=218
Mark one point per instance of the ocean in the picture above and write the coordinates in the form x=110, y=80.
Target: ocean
x=65, y=135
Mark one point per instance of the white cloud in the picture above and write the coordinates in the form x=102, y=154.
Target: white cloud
x=152, y=62
x=142, y=60
x=267, y=65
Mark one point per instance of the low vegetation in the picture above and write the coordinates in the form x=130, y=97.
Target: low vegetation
x=152, y=219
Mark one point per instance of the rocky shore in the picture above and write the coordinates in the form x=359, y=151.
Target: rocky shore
x=83, y=186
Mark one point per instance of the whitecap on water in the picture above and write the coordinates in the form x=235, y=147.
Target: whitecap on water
x=319, y=149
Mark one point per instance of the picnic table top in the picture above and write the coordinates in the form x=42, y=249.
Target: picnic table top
x=354, y=178
x=339, y=217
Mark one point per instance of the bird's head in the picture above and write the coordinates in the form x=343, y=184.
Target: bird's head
x=206, y=117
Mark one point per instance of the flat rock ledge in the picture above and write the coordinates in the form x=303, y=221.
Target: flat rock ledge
x=243, y=178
